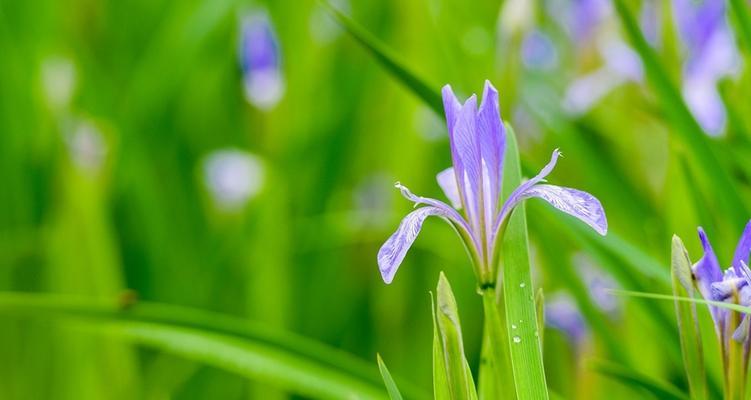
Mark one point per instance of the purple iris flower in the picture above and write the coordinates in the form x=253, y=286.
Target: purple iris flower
x=478, y=143
x=260, y=61
x=733, y=285
x=711, y=55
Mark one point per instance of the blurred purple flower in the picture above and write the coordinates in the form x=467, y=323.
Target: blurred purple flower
x=733, y=286
x=598, y=282
x=538, y=51
x=260, y=61
x=711, y=55
x=478, y=144
x=561, y=313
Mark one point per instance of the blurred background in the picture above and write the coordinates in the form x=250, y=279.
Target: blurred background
x=239, y=157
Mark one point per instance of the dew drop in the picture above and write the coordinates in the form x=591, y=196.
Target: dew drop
x=517, y=339
x=513, y=326
x=521, y=285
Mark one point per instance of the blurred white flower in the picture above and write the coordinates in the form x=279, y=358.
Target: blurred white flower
x=517, y=16
x=232, y=177
x=58, y=76
x=86, y=146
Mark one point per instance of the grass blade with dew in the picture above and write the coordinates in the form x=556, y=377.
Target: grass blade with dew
x=521, y=319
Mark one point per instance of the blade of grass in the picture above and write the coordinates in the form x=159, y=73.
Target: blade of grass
x=388, y=59
x=685, y=127
x=688, y=323
x=496, y=376
x=521, y=319
x=393, y=391
x=658, y=296
x=661, y=390
x=458, y=374
x=740, y=11
x=219, y=330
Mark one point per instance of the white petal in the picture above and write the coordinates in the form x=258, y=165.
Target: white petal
x=447, y=181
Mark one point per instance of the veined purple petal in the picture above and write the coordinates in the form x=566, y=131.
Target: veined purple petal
x=577, y=203
x=492, y=139
x=450, y=212
x=707, y=271
x=392, y=252
x=516, y=195
x=742, y=250
x=467, y=147
x=447, y=181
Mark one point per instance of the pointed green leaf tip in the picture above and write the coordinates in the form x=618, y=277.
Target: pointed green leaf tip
x=458, y=376
x=391, y=388
x=681, y=264
x=688, y=325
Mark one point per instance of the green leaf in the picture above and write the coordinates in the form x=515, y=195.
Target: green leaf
x=657, y=296
x=441, y=389
x=496, y=376
x=740, y=12
x=685, y=127
x=540, y=303
x=281, y=359
x=661, y=390
x=521, y=319
x=394, y=393
x=389, y=60
x=688, y=323
x=458, y=373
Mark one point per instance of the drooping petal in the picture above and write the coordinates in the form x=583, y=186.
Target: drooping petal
x=743, y=249
x=492, y=140
x=707, y=271
x=515, y=196
x=447, y=181
x=577, y=203
x=392, y=252
x=450, y=212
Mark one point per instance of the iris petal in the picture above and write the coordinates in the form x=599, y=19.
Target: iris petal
x=392, y=252
x=707, y=271
x=577, y=203
x=492, y=141
x=743, y=249
x=447, y=181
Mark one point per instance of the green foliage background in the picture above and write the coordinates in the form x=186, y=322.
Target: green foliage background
x=160, y=80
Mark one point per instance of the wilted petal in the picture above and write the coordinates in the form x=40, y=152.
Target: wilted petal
x=707, y=270
x=447, y=181
x=581, y=205
x=742, y=250
x=392, y=252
